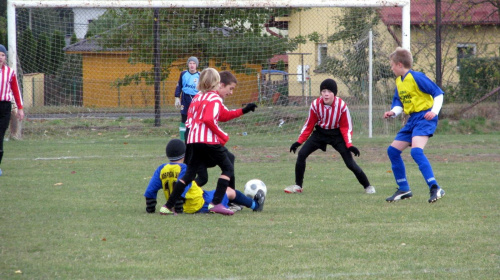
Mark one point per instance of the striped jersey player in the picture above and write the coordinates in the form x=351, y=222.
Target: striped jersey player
x=328, y=123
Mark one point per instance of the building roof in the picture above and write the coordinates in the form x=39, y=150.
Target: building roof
x=453, y=12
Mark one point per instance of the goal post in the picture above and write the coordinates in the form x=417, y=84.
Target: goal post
x=103, y=57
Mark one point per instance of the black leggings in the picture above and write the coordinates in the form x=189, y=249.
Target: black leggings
x=319, y=141
x=5, y=110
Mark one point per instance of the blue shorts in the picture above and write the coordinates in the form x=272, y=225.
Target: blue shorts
x=209, y=196
x=417, y=126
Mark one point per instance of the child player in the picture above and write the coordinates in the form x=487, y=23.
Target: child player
x=194, y=199
x=9, y=89
x=206, y=140
x=186, y=87
x=419, y=97
x=330, y=119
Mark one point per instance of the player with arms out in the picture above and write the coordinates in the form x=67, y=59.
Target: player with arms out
x=330, y=119
x=194, y=199
x=206, y=140
x=9, y=89
x=419, y=97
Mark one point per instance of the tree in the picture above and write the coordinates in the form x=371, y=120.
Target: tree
x=27, y=47
x=352, y=65
x=42, y=52
x=225, y=36
x=56, y=54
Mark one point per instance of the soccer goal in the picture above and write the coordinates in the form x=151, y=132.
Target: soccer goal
x=83, y=61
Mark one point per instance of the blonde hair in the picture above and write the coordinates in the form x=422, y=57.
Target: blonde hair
x=209, y=80
x=402, y=56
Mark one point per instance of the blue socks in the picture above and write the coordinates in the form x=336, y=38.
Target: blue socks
x=398, y=168
x=424, y=166
x=244, y=200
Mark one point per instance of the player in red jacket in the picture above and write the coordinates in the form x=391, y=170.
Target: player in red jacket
x=9, y=89
x=330, y=119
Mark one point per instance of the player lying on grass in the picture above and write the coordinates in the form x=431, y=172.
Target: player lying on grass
x=421, y=98
x=194, y=199
x=330, y=119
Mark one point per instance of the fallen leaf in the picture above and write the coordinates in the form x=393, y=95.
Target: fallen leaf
x=99, y=133
x=73, y=172
x=18, y=272
x=389, y=171
x=103, y=239
x=58, y=184
x=127, y=136
x=125, y=143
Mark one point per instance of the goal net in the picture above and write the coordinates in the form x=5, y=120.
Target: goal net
x=104, y=67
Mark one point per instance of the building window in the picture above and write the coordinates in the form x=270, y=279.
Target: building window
x=322, y=52
x=465, y=51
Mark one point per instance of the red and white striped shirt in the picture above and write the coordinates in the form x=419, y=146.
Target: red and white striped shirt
x=204, y=114
x=328, y=117
x=9, y=86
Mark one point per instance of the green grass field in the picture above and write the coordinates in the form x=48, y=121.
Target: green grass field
x=73, y=208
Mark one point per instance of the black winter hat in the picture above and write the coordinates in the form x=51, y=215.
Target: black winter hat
x=329, y=84
x=175, y=149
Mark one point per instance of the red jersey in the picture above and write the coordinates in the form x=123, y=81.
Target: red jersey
x=204, y=114
x=8, y=85
x=328, y=117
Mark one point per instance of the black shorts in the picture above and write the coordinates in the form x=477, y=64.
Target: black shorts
x=199, y=154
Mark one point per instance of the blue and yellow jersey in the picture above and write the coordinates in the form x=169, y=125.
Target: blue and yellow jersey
x=164, y=178
x=415, y=92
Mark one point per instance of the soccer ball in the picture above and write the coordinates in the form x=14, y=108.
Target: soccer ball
x=254, y=185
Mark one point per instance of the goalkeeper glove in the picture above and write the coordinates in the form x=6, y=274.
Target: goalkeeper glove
x=294, y=147
x=354, y=150
x=249, y=107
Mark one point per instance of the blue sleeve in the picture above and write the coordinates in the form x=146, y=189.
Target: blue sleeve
x=178, y=89
x=426, y=85
x=395, y=99
x=154, y=184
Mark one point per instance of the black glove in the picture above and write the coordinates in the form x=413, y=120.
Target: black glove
x=179, y=206
x=150, y=205
x=354, y=150
x=294, y=147
x=249, y=107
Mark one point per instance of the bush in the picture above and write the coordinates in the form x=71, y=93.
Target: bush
x=478, y=76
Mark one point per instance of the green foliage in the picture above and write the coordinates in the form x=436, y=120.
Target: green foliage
x=232, y=36
x=3, y=31
x=354, y=25
x=42, y=52
x=478, y=76
x=56, y=54
x=27, y=51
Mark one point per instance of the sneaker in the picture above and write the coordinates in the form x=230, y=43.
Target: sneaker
x=436, y=193
x=399, y=195
x=165, y=211
x=260, y=198
x=235, y=207
x=370, y=190
x=220, y=209
x=293, y=189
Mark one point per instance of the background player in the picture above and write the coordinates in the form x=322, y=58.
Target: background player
x=186, y=87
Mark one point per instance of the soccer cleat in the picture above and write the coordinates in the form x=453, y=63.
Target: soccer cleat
x=436, y=193
x=370, y=190
x=399, y=195
x=165, y=211
x=293, y=189
x=235, y=207
x=219, y=209
x=260, y=198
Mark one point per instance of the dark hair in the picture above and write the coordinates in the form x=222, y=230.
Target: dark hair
x=227, y=78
